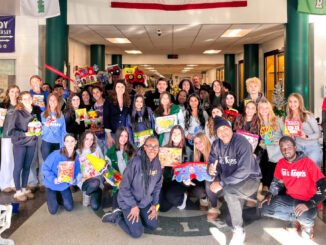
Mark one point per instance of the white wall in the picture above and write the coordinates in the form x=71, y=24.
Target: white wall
x=319, y=57
x=100, y=12
x=79, y=55
x=26, y=51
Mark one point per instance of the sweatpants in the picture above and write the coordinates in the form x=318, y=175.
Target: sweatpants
x=282, y=207
x=235, y=196
x=23, y=156
x=172, y=195
x=115, y=203
x=92, y=189
x=136, y=229
x=56, y=198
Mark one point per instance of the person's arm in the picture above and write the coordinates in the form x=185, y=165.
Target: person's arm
x=128, y=124
x=47, y=167
x=157, y=189
x=213, y=160
x=14, y=132
x=315, y=128
x=63, y=130
x=106, y=122
x=320, y=194
x=181, y=119
x=125, y=192
x=323, y=124
x=276, y=186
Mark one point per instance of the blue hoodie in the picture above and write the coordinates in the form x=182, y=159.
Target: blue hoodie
x=132, y=187
x=50, y=171
x=57, y=130
x=236, y=161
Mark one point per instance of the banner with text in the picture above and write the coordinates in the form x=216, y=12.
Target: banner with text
x=7, y=34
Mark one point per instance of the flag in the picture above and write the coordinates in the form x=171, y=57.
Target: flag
x=312, y=6
x=40, y=8
x=175, y=5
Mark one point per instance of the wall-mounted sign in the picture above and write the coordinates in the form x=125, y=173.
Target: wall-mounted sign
x=7, y=34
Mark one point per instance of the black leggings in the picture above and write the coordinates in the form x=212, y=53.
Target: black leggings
x=267, y=169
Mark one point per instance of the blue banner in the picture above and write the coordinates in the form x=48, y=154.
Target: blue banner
x=7, y=34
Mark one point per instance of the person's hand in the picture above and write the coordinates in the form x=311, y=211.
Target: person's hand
x=47, y=124
x=157, y=131
x=303, y=135
x=78, y=121
x=72, y=181
x=188, y=182
x=215, y=187
x=133, y=215
x=56, y=181
x=300, y=209
x=212, y=168
x=255, y=156
x=152, y=213
x=189, y=137
x=27, y=134
x=267, y=199
x=110, y=141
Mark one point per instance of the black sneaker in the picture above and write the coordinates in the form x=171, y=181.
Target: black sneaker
x=112, y=217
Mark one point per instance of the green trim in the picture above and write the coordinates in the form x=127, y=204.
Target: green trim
x=98, y=56
x=229, y=70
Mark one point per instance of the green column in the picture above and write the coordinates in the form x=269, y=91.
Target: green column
x=98, y=56
x=117, y=59
x=297, y=53
x=250, y=63
x=229, y=70
x=56, y=54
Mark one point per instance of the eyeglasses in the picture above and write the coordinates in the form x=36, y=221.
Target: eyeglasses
x=152, y=147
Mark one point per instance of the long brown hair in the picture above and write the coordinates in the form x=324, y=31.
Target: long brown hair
x=82, y=141
x=128, y=148
x=20, y=105
x=6, y=100
x=64, y=152
x=207, y=147
x=302, y=110
x=160, y=109
x=210, y=122
x=241, y=121
x=113, y=96
x=57, y=108
x=182, y=143
x=69, y=109
x=272, y=119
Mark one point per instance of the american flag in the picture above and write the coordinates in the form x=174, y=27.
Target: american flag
x=175, y=5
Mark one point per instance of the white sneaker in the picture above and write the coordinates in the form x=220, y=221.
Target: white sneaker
x=238, y=237
x=86, y=199
x=183, y=205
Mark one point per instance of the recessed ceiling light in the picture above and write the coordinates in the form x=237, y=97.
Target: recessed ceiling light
x=236, y=33
x=188, y=68
x=133, y=51
x=145, y=65
x=118, y=40
x=192, y=65
x=211, y=51
x=149, y=68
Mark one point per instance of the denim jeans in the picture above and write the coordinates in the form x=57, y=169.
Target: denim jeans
x=282, y=207
x=313, y=151
x=47, y=148
x=23, y=156
x=32, y=178
x=136, y=229
x=92, y=189
x=54, y=198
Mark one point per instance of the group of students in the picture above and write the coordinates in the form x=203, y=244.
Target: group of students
x=205, y=132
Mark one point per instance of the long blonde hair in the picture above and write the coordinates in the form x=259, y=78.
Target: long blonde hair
x=302, y=110
x=207, y=147
x=272, y=119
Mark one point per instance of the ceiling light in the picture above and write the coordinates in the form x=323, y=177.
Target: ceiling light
x=149, y=68
x=118, y=40
x=188, y=68
x=192, y=65
x=236, y=33
x=133, y=51
x=145, y=65
x=211, y=51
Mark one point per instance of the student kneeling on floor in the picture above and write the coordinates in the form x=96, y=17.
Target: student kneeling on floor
x=139, y=192
x=236, y=173
x=305, y=189
x=57, y=192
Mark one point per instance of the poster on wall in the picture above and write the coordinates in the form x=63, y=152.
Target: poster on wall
x=7, y=34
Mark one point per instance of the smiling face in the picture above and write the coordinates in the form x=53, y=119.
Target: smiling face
x=216, y=112
x=53, y=103
x=139, y=102
x=70, y=143
x=225, y=134
x=85, y=97
x=162, y=86
x=199, y=144
x=123, y=139
x=151, y=148
x=229, y=100
x=186, y=86
x=217, y=87
x=288, y=150
x=27, y=100
x=182, y=98
x=75, y=102
x=165, y=100
x=263, y=110
x=97, y=94
x=88, y=142
x=176, y=136
x=120, y=89
x=293, y=103
x=36, y=84
x=253, y=88
x=193, y=102
x=251, y=109
x=13, y=94
x=196, y=81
